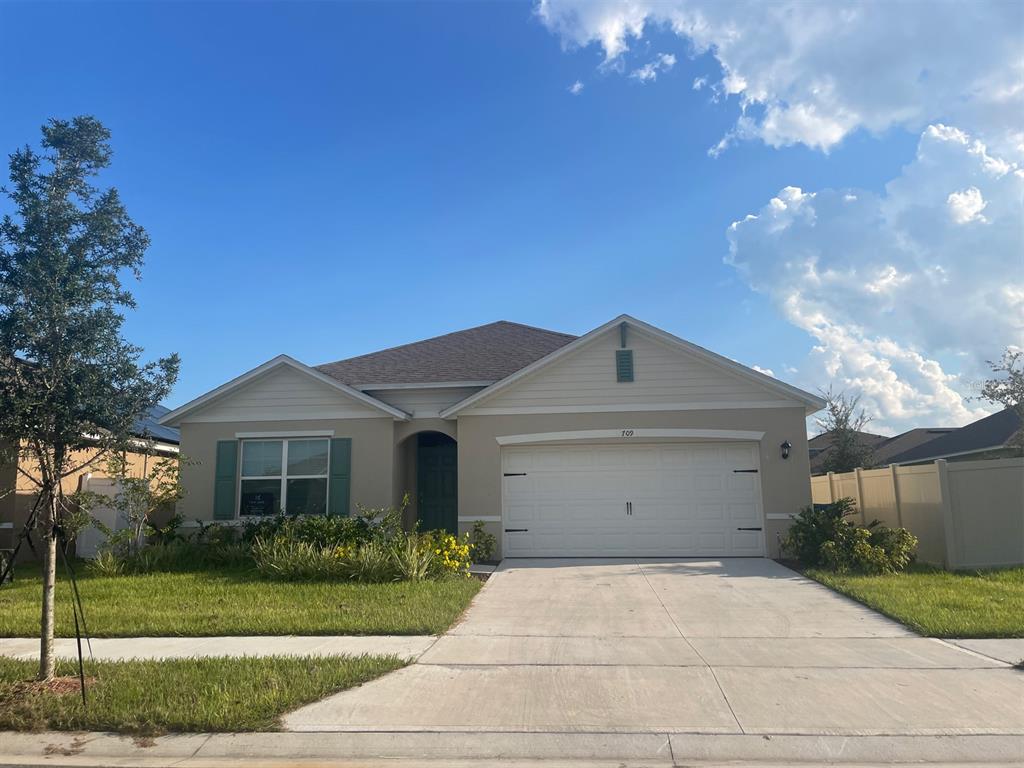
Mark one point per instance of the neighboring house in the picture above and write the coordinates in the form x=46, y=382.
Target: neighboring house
x=154, y=441
x=625, y=441
x=820, y=446
x=883, y=448
x=986, y=438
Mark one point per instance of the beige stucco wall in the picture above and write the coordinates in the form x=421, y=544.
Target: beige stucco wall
x=373, y=456
x=785, y=485
x=383, y=458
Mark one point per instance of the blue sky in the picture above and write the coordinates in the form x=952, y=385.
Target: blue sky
x=329, y=179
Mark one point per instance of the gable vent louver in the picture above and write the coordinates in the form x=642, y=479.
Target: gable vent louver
x=624, y=364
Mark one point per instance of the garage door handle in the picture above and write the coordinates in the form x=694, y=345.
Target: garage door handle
x=516, y=530
x=748, y=529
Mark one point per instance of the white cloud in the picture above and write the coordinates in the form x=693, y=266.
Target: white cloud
x=904, y=302
x=811, y=73
x=663, y=62
x=765, y=371
x=576, y=88
x=966, y=206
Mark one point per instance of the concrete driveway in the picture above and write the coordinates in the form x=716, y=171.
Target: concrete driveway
x=731, y=646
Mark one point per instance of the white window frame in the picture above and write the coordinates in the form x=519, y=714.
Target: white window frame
x=284, y=477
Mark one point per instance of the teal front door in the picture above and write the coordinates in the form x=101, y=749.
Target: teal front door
x=437, y=482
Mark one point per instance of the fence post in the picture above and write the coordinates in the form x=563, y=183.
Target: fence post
x=831, y=487
x=860, y=496
x=948, y=530
x=893, y=468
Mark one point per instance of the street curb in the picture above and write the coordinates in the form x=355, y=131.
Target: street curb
x=263, y=750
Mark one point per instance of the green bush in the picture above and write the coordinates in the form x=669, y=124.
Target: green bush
x=412, y=560
x=814, y=526
x=408, y=557
x=824, y=536
x=482, y=544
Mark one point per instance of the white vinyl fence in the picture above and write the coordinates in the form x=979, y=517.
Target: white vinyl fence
x=967, y=514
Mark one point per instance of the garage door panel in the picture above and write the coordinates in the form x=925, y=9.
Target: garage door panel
x=685, y=500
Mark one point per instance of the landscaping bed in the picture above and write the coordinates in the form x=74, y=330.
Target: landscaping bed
x=197, y=695
x=237, y=601
x=938, y=603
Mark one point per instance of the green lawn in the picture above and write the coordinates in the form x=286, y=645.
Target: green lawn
x=152, y=697
x=225, y=602
x=941, y=603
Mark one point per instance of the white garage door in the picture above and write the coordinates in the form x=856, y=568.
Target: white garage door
x=656, y=500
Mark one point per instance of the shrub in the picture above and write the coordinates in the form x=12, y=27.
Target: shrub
x=411, y=556
x=414, y=559
x=106, y=563
x=814, y=526
x=482, y=544
x=824, y=536
x=297, y=560
x=452, y=553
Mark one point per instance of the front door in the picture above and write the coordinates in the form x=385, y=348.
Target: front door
x=437, y=482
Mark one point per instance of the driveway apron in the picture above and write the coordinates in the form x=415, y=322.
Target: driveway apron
x=741, y=646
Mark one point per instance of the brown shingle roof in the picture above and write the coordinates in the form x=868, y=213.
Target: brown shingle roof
x=485, y=353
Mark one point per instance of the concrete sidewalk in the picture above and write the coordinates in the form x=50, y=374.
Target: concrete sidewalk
x=122, y=648
x=266, y=750
x=1009, y=650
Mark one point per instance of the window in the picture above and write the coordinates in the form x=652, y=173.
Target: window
x=289, y=475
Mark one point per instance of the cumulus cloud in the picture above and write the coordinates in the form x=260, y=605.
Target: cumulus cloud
x=966, y=206
x=576, y=88
x=811, y=73
x=663, y=62
x=908, y=292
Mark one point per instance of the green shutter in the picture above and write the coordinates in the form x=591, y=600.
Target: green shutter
x=340, y=476
x=224, y=480
x=624, y=364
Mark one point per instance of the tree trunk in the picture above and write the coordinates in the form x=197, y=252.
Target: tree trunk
x=46, y=660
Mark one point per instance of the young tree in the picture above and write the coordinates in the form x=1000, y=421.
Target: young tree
x=1007, y=389
x=70, y=386
x=139, y=499
x=844, y=419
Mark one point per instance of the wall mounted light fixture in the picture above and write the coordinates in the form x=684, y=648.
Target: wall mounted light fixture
x=786, y=446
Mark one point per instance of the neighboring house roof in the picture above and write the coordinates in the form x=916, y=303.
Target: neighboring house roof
x=989, y=433
x=820, y=446
x=478, y=356
x=905, y=441
x=811, y=402
x=149, y=426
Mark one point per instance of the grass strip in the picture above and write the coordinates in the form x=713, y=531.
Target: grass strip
x=237, y=602
x=938, y=603
x=180, y=695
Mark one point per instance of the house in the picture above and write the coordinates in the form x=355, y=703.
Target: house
x=883, y=448
x=19, y=493
x=986, y=438
x=624, y=441
x=820, y=446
